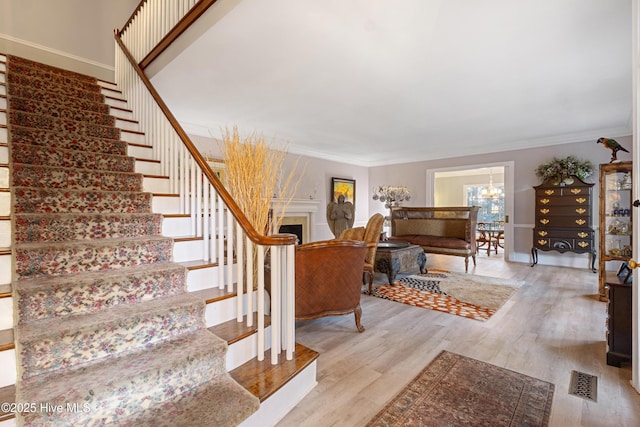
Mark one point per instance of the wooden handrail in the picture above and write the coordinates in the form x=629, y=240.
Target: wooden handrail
x=182, y=25
x=254, y=236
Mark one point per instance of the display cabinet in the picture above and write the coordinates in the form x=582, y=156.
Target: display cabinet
x=615, y=225
x=614, y=284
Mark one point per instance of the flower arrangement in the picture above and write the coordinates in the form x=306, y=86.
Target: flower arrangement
x=391, y=195
x=561, y=170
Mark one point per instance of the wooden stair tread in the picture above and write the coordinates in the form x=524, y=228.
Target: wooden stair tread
x=233, y=331
x=263, y=379
x=198, y=264
x=213, y=294
x=5, y=291
x=6, y=340
x=7, y=395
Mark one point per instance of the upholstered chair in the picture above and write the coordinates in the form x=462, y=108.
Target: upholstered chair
x=329, y=279
x=371, y=235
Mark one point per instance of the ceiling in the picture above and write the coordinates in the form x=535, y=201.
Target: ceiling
x=372, y=82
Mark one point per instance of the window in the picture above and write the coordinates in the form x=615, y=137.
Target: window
x=490, y=198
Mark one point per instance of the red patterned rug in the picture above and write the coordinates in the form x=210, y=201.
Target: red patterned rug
x=455, y=390
x=466, y=295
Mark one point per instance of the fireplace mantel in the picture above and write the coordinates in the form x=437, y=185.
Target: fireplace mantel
x=297, y=211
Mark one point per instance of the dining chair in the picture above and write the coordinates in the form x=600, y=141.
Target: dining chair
x=483, y=236
x=498, y=227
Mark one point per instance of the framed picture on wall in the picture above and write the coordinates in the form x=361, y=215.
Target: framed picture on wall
x=218, y=167
x=343, y=187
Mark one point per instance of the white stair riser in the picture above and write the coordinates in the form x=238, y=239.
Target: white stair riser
x=132, y=137
x=155, y=185
x=4, y=177
x=6, y=314
x=127, y=125
x=3, y=119
x=113, y=93
x=225, y=310
x=3, y=78
x=283, y=401
x=3, y=90
x=5, y=271
x=3, y=102
x=244, y=350
x=107, y=85
x=5, y=202
x=4, y=135
x=116, y=102
x=176, y=227
x=165, y=204
x=5, y=233
x=148, y=168
x=189, y=250
x=139, y=152
x=4, y=155
x=11, y=422
x=121, y=114
x=203, y=278
x=7, y=360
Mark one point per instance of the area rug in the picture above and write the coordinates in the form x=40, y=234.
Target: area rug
x=455, y=390
x=467, y=295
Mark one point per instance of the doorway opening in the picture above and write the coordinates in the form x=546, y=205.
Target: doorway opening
x=489, y=186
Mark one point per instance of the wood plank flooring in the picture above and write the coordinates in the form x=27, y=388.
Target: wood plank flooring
x=552, y=325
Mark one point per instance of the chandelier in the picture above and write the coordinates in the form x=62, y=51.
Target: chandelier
x=491, y=192
x=391, y=195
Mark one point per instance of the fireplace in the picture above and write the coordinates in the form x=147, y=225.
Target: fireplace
x=293, y=229
x=298, y=218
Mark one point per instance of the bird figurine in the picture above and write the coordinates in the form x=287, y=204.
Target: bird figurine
x=612, y=145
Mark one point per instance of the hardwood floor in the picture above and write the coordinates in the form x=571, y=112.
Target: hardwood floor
x=552, y=325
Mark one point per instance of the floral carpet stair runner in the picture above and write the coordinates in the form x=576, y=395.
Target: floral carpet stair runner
x=106, y=332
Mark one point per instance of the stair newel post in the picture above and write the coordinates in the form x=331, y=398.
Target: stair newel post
x=261, y=310
x=220, y=252
x=230, y=243
x=240, y=276
x=276, y=302
x=249, y=258
x=290, y=311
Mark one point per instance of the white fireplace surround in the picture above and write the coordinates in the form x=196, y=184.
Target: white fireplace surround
x=297, y=211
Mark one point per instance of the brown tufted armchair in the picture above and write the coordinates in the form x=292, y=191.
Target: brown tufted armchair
x=329, y=279
x=371, y=236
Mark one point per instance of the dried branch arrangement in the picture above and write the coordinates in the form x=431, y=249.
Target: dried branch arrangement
x=254, y=175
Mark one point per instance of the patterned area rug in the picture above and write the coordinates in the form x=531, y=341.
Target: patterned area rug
x=455, y=390
x=466, y=295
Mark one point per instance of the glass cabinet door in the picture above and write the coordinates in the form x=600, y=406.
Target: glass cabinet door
x=615, y=224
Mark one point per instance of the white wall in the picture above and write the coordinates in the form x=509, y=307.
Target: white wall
x=314, y=177
x=73, y=34
x=526, y=161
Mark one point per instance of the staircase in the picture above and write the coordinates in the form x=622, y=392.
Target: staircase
x=110, y=329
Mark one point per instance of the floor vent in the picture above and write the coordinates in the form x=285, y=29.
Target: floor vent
x=584, y=386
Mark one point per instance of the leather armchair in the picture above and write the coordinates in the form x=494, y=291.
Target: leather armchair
x=371, y=236
x=329, y=279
